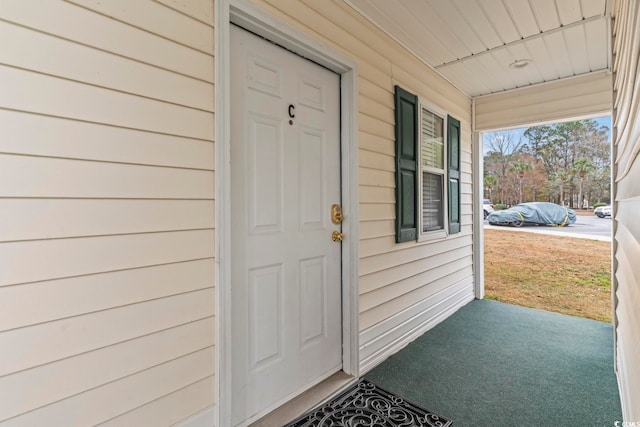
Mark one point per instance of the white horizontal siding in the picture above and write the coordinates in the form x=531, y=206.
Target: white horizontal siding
x=71, y=375
x=406, y=253
x=39, y=344
x=159, y=19
x=28, y=176
x=196, y=9
x=626, y=194
x=427, y=275
x=34, y=134
x=587, y=95
x=59, y=258
x=60, y=97
x=92, y=29
x=106, y=211
x=54, y=218
x=60, y=57
x=376, y=143
x=380, y=314
x=385, y=279
x=372, y=194
x=123, y=395
x=122, y=167
x=169, y=409
x=400, y=329
x=45, y=301
x=393, y=277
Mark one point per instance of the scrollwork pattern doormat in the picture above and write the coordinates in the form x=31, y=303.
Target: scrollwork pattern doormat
x=366, y=404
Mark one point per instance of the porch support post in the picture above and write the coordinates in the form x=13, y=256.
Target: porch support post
x=478, y=217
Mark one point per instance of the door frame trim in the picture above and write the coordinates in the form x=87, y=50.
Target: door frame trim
x=256, y=20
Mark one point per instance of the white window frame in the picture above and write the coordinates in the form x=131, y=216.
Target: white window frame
x=444, y=232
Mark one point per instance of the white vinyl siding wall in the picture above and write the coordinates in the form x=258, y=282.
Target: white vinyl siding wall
x=626, y=177
x=106, y=211
x=404, y=288
x=107, y=205
x=588, y=95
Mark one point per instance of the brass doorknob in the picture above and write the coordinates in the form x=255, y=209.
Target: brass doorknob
x=337, y=236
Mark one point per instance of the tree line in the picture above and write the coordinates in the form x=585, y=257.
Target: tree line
x=565, y=163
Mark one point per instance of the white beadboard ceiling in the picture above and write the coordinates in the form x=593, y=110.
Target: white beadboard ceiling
x=473, y=42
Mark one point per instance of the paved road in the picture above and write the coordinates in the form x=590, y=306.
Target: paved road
x=585, y=227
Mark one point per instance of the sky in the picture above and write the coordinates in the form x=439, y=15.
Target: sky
x=602, y=121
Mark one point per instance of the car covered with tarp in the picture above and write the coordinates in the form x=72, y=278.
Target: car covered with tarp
x=534, y=213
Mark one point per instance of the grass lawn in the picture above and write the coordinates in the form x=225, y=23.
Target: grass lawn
x=562, y=274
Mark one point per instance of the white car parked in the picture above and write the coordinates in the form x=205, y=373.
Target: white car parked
x=602, y=211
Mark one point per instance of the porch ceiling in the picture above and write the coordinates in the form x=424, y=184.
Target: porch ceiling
x=473, y=43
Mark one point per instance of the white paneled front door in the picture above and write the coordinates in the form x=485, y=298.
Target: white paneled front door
x=286, y=269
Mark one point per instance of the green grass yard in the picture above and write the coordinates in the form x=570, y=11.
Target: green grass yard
x=561, y=274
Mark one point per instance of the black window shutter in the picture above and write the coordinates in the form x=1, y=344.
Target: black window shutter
x=453, y=148
x=406, y=116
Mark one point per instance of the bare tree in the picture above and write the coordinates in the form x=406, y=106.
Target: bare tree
x=504, y=142
x=501, y=149
x=570, y=162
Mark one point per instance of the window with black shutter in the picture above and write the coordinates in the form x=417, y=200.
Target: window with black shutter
x=406, y=116
x=427, y=170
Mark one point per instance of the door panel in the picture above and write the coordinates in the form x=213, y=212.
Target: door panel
x=312, y=193
x=313, y=287
x=265, y=312
x=286, y=270
x=265, y=175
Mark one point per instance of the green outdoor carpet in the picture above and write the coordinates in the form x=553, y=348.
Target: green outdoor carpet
x=494, y=364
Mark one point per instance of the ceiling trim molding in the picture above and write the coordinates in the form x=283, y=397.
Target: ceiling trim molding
x=548, y=82
x=522, y=40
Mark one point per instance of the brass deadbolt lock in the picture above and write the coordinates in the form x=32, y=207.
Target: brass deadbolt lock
x=336, y=214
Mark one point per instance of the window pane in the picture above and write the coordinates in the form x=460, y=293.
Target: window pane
x=432, y=140
x=432, y=203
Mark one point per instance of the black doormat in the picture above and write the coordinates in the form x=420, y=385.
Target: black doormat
x=366, y=404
